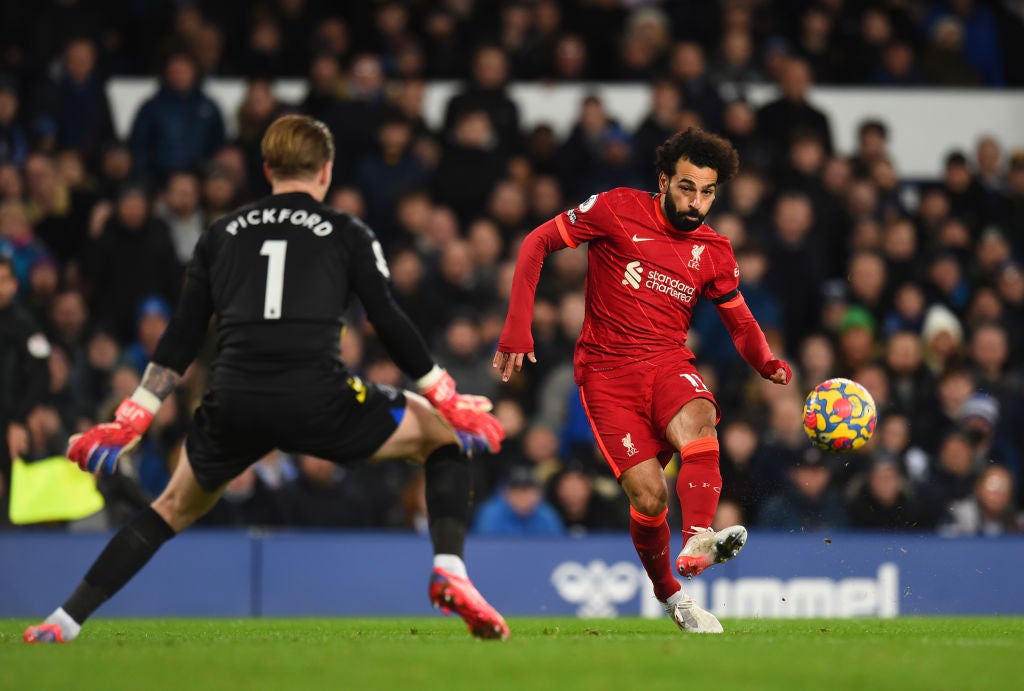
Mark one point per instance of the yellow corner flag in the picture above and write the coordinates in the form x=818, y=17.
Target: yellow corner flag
x=51, y=489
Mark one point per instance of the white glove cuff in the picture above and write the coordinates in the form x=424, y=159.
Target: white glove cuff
x=430, y=378
x=147, y=399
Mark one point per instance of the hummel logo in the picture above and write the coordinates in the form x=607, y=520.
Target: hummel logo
x=636, y=239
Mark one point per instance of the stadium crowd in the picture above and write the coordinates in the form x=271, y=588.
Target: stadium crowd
x=913, y=287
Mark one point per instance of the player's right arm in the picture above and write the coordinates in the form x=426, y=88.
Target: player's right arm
x=516, y=342
x=404, y=343
x=586, y=222
x=99, y=449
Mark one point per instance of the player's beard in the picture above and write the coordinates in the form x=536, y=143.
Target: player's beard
x=691, y=220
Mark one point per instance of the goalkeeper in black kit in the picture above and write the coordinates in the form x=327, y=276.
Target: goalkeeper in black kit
x=278, y=275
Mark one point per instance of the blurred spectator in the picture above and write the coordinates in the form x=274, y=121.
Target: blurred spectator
x=1009, y=284
x=353, y=119
x=978, y=417
x=116, y=168
x=946, y=283
x=179, y=127
x=179, y=208
x=325, y=86
x=325, y=495
x=387, y=172
x=24, y=376
x=817, y=360
x=487, y=91
x=642, y=44
x=819, y=44
x=855, y=336
x=899, y=66
x=990, y=511
x=570, y=60
x=979, y=35
x=808, y=503
x=582, y=508
x=872, y=146
x=893, y=438
x=794, y=261
x=735, y=68
x=14, y=142
x=59, y=214
x=153, y=316
x=263, y=53
x=658, y=124
x=943, y=61
x=70, y=109
x=739, y=442
x=465, y=357
x=943, y=338
x=220, y=191
x=132, y=257
x=967, y=198
x=19, y=244
x=739, y=123
x=12, y=186
x=471, y=164
x=518, y=508
x=688, y=68
x=907, y=310
x=259, y=108
x=457, y=284
x=954, y=474
x=883, y=499
x=993, y=370
x=779, y=119
x=715, y=344
x=247, y=501
x=868, y=279
x=614, y=166
x=208, y=47
x=581, y=151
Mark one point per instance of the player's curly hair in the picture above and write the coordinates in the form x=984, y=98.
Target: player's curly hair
x=702, y=149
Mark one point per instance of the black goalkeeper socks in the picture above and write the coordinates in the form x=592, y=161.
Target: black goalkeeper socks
x=448, y=498
x=124, y=556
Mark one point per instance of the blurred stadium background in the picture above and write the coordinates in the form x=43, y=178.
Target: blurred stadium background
x=878, y=221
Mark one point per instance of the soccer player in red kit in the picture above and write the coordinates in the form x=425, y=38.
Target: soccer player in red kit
x=651, y=257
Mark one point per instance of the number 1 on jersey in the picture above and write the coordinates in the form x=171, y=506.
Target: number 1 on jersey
x=274, y=251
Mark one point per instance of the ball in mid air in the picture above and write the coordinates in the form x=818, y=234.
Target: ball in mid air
x=839, y=415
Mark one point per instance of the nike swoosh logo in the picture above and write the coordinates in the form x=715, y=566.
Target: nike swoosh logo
x=636, y=239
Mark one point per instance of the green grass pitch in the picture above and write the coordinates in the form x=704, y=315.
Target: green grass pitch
x=438, y=653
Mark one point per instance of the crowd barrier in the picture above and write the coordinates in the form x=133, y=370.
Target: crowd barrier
x=292, y=573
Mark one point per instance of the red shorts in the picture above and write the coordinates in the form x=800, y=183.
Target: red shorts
x=629, y=408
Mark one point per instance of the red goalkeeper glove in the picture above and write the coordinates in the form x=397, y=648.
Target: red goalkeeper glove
x=469, y=415
x=98, y=450
x=769, y=369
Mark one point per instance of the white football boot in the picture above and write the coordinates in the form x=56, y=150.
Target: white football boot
x=708, y=547
x=690, y=618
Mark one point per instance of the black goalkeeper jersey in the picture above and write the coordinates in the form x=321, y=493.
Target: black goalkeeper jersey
x=279, y=275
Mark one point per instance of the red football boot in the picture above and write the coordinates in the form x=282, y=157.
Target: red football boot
x=456, y=594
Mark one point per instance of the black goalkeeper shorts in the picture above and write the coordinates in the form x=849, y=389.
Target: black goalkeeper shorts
x=233, y=429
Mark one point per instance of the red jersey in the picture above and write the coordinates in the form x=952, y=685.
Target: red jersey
x=643, y=280
x=644, y=277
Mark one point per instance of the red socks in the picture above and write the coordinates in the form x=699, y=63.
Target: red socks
x=651, y=537
x=699, y=485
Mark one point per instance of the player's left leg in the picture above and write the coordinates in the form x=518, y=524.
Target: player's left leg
x=699, y=486
x=179, y=506
x=425, y=437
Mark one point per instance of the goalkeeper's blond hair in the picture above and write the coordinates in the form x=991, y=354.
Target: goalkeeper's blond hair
x=297, y=146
